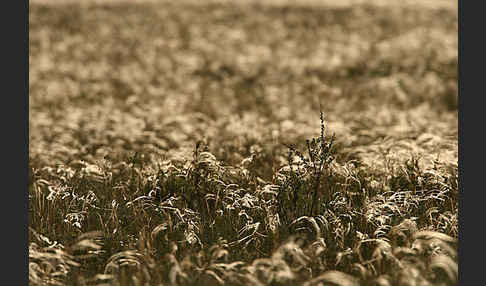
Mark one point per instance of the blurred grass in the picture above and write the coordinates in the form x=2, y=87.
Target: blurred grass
x=114, y=84
x=370, y=72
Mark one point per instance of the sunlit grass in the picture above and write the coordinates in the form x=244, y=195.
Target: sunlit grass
x=181, y=144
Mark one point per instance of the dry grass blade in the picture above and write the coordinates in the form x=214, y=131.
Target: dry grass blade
x=443, y=265
x=334, y=277
x=99, y=280
x=318, y=247
x=272, y=270
x=155, y=232
x=292, y=253
x=215, y=276
x=217, y=252
x=383, y=280
x=298, y=225
x=427, y=234
x=90, y=242
x=130, y=260
x=86, y=244
x=176, y=273
x=49, y=266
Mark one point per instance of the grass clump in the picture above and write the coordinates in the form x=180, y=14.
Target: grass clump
x=315, y=165
x=201, y=221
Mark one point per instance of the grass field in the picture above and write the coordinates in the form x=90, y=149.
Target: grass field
x=182, y=143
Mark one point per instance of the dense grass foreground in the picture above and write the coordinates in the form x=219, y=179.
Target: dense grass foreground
x=183, y=144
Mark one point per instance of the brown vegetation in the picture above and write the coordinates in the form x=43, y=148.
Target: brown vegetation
x=168, y=144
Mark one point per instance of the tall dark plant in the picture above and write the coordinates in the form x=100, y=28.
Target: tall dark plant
x=318, y=160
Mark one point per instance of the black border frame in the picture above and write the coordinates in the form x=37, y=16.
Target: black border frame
x=468, y=269
x=15, y=213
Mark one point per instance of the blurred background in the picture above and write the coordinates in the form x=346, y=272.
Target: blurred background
x=111, y=77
